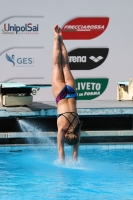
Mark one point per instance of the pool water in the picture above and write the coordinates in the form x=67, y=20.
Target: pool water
x=34, y=172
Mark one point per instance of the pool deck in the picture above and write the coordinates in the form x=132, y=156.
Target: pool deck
x=85, y=108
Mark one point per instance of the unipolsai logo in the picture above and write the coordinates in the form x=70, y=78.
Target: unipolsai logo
x=27, y=28
x=84, y=28
x=87, y=58
x=20, y=61
x=90, y=88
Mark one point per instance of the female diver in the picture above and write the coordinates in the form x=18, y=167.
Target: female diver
x=63, y=87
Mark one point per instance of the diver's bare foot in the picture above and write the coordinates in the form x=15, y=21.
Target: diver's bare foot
x=56, y=31
x=60, y=31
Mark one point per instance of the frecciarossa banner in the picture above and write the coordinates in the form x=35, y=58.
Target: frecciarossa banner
x=84, y=28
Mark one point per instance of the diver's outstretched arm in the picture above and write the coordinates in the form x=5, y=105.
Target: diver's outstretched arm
x=75, y=152
x=60, y=141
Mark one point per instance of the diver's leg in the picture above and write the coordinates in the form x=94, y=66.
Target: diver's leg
x=68, y=77
x=57, y=74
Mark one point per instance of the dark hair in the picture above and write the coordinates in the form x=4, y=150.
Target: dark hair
x=72, y=137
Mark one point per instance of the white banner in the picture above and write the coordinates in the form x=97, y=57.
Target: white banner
x=23, y=64
x=98, y=36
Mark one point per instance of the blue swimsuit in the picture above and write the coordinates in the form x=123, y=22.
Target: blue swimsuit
x=66, y=93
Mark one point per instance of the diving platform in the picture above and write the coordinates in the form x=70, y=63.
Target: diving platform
x=103, y=122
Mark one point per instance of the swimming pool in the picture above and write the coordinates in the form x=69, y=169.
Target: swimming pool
x=34, y=172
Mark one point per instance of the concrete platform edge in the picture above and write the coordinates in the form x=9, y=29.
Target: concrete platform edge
x=54, y=134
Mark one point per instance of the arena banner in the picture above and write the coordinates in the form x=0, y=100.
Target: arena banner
x=87, y=58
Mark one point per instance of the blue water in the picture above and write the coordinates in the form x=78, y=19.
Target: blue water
x=36, y=173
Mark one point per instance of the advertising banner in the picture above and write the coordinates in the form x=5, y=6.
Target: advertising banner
x=90, y=88
x=23, y=64
x=98, y=36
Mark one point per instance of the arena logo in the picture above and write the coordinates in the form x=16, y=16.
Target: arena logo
x=90, y=88
x=87, y=58
x=20, y=61
x=84, y=28
x=15, y=29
